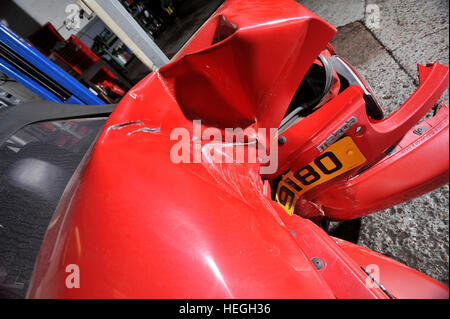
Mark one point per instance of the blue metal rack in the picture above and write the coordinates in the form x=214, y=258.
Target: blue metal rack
x=32, y=69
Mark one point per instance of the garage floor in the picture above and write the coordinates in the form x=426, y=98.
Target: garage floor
x=410, y=32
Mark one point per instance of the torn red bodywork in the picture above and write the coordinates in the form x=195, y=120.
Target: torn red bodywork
x=387, y=178
x=139, y=225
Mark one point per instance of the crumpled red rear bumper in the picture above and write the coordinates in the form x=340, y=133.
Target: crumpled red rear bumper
x=415, y=165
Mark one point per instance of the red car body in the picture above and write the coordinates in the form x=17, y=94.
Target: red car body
x=139, y=225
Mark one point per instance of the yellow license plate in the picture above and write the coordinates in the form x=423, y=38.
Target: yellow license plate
x=337, y=159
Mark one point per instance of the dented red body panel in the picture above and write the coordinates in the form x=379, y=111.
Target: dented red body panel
x=139, y=225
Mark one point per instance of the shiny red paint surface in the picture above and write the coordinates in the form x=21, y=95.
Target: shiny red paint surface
x=139, y=225
x=406, y=284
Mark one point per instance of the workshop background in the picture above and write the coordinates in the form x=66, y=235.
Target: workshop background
x=383, y=40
